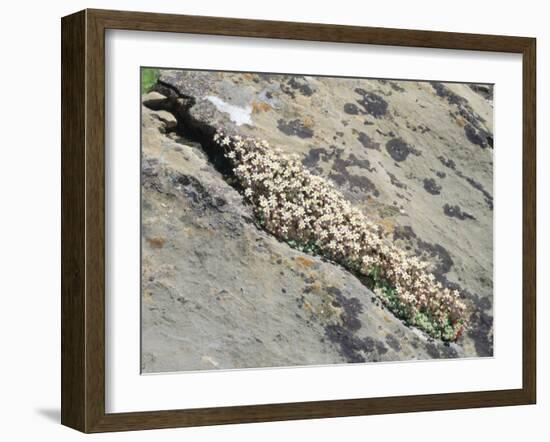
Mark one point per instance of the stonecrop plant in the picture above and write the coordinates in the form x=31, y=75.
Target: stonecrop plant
x=309, y=213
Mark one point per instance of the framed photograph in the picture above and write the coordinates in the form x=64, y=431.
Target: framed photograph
x=269, y=220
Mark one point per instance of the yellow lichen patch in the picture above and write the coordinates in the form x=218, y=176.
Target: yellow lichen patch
x=315, y=287
x=387, y=211
x=460, y=121
x=308, y=122
x=248, y=76
x=313, y=275
x=320, y=304
x=328, y=312
x=156, y=242
x=388, y=225
x=304, y=261
x=147, y=297
x=307, y=306
x=260, y=106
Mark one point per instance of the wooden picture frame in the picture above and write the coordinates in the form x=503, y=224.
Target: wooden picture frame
x=83, y=220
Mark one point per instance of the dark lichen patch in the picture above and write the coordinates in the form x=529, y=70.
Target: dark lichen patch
x=474, y=130
x=456, y=212
x=351, y=109
x=478, y=186
x=392, y=341
x=352, y=307
x=367, y=142
x=444, y=92
x=434, y=252
x=431, y=186
x=363, y=183
x=384, y=134
x=369, y=345
x=474, y=136
x=340, y=165
x=440, y=174
x=395, y=181
x=295, y=128
x=175, y=184
x=481, y=328
x=363, y=164
x=475, y=184
x=399, y=150
x=195, y=191
x=268, y=78
x=296, y=84
x=380, y=347
x=449, y=351
x=339, y=172
x=432, y=350
x=396, y=87
x=150, y=174
x=438, y=351
x=300, y=84
x=351, y=347
x=447, y=162
x=313, y=156
x=355, y=181
x=478, y=136
x=444, y=260
x=372, y=104
x=470, y=116
x=481, y=334
x=485, y=90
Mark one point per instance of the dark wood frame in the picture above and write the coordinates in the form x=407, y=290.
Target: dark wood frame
x=83, y=216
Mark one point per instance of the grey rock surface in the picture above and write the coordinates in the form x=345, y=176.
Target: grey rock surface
x=219, y=293
x=153, y=100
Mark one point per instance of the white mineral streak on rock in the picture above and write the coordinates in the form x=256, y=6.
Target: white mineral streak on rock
x=239, y=115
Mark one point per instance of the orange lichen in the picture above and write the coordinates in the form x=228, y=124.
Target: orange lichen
x=387, y=224
x=260, y=106
x=156, y=242
x=304, y=261
x=308, y=122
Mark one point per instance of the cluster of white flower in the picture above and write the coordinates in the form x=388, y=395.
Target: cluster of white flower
x=298, y=206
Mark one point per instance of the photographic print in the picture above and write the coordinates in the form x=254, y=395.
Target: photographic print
x=300, y=220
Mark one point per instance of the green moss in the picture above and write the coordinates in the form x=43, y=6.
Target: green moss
x=149, y=77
